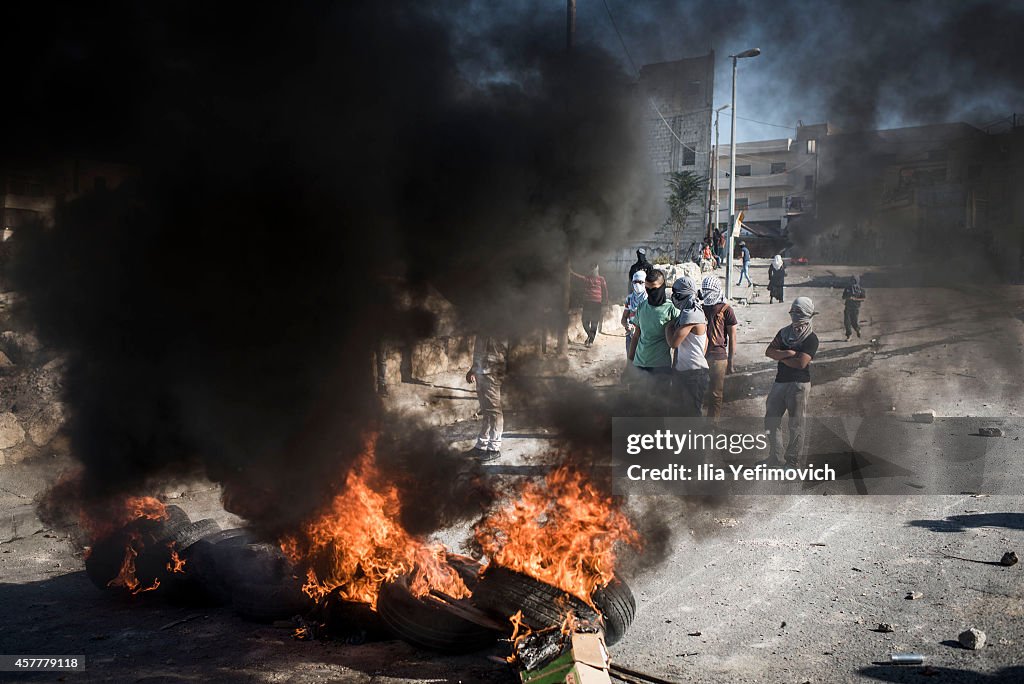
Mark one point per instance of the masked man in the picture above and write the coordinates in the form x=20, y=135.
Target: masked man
x=793, y=347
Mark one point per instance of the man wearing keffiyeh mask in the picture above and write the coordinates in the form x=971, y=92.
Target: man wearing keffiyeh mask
x=687, y=335
x=793, y=347
x=721, y=343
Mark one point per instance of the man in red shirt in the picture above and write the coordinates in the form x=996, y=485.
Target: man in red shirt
x=595, y=295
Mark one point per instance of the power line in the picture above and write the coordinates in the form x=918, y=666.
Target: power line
x=765, y=123
x=621, y=41
x=636, y=71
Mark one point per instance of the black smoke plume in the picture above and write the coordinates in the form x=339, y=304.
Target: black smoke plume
x=299, y=172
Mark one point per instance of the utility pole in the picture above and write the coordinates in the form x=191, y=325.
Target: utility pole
x=570, y=24
x=563, y=332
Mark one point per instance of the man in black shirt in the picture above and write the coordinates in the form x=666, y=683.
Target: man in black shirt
x=853, y=295
x=793, y=347
x=641, y=264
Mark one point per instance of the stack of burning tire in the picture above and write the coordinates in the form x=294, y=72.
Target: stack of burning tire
x=199, y=562
x=498, y=594
x=504, y=592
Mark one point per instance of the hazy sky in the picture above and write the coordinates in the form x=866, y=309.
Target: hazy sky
x=860, y=64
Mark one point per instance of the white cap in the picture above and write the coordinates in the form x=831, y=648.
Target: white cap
x=640, y=276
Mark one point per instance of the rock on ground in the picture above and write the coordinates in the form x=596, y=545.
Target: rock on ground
x=973, y=639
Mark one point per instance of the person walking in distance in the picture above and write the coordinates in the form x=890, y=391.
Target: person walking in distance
x=793, y=348
x=595, y=296
x=776, y=279
x=721, y=343
x=687, y=336
x=853, y=295
x=490, y=364
x=745, y=270
x=636, y=296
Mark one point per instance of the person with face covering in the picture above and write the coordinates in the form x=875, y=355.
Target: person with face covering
x=649, y=351
x=793, y=348
x=721, y=342
x=636, y=296
x=641, y=264
x=687, y=335
x=853, y=295
x=776, y=279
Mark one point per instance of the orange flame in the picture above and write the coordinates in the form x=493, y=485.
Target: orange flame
x=561, y=531
x=357, y=543
x=115, y=516
x=126, y=577
x=176, y=563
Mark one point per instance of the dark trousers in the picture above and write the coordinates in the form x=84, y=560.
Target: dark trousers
x=651, y=390
x=688, y=388
x=591, y=318
x=851, y=319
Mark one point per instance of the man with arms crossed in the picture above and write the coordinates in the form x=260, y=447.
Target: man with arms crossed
x=793, y=347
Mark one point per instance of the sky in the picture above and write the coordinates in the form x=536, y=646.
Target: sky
x=861, y=65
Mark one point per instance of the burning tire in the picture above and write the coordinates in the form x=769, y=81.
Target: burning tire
x=190, y=534
x=211, y=559
x=431, y=624
x=151, y=538
x=503, y=592
x=267, y=602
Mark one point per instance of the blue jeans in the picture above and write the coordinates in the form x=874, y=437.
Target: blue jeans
x=745, y=271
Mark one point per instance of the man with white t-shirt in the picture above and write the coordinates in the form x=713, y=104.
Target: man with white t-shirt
x=687, y=335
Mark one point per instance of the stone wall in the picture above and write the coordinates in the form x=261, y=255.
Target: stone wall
x=31, y=411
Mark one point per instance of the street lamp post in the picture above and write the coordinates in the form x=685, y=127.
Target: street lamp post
x=714, y=183
x=753, y=52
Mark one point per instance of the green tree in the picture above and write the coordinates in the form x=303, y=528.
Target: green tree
x=684, y=189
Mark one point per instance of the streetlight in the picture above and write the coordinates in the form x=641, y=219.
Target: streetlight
x=753, y=52
x=716, y=203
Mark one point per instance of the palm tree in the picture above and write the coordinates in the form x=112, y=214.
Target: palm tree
x=684, y=188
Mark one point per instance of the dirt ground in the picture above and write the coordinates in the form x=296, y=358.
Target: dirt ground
x=756, y=589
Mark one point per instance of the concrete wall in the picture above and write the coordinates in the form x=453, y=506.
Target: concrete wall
x=678, y=97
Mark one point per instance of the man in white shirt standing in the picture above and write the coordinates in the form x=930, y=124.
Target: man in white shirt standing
x=687, y=336
x=490, y=363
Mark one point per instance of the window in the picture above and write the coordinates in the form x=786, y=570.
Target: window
x=812, y=147
x=743, y=170
x=808, y=182
x=778, y=167
x=775, y=201
x=742, y=203
x=689, y=154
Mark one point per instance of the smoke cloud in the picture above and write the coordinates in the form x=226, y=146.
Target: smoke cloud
x=299, y=174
